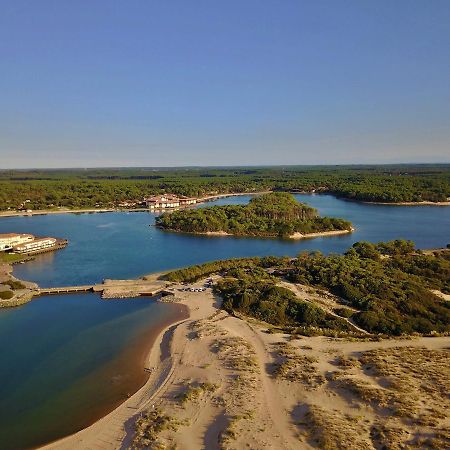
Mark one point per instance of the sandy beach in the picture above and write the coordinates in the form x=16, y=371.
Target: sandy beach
x=292, y=236
x=320, y=234
x=217, y=381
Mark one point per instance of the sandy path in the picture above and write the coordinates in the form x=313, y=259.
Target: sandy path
x=110, y=431
x=303, y=296
x=185, y=356
x=283, y=431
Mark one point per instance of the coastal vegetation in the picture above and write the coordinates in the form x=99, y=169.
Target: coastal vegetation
x=274, y=214
x=385, y=288
x=92, y=188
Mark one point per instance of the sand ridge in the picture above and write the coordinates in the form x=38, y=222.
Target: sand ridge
x=220, y=382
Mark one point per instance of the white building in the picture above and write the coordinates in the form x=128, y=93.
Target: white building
x=9, y=240
x=35, y=245
x=184, y=201
x=168, y=201
x=162, y=201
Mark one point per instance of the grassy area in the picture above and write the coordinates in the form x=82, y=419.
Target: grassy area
x=11, y=258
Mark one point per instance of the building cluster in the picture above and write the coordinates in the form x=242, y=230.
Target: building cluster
x=168, y=201
x=26, y=243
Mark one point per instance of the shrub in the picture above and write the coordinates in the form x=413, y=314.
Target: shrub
x=6, y=295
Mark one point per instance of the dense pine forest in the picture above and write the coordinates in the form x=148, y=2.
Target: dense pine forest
x=387, y=288
x=88, y=188
x=274, y=214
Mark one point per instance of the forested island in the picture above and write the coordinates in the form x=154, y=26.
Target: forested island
x=387, y=288
x=107, y=188
x=272, y=215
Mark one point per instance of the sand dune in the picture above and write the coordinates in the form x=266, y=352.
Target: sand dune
x=220, y=382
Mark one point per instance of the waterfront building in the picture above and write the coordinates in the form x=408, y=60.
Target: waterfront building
x=9, y=240
x=162, y=201
x=185, y=201
x=35, y=245
x=168, y=201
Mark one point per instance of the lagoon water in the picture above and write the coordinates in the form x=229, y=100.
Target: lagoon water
x=65, y=360
x=127, y=245
x=68, y=360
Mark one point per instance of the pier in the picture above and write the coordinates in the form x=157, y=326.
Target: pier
x=63, y=290
x=113, y=288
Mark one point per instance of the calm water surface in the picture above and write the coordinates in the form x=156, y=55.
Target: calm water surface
x=126, y=245
x=72, y=353
x=67, y=360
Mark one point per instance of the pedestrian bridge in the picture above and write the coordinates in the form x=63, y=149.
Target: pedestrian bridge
x=63, y=290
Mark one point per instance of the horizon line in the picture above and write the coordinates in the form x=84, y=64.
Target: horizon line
x=259, y=166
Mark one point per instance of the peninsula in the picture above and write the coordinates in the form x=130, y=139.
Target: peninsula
x=290, y=353
x=277, y=214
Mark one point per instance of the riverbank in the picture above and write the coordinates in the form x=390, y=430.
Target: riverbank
x=21, y=294
x=218, y=381
x=209, y=198
x=409, y=203
x=44, y=212
x=320, y=234
x=292, y=236
x=77, y=374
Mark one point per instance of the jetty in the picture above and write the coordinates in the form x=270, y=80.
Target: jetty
x=150, y=287
x=62, y=290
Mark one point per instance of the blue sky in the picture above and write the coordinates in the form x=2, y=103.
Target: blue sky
x=167, y=83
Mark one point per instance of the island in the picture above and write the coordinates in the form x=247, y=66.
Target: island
x=276, y=214
x=315, y=338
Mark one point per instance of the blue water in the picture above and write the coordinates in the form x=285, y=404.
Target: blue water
x=64, y=359
x=125, y=245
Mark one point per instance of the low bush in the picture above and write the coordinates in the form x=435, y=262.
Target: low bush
x=6, y=295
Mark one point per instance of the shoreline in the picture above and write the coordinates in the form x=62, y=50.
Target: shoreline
x=159, y=347
x=298, y=235
x=181, y=357
x=44, y=212
x=156, y=348
x=424, y=203
x=295, y=236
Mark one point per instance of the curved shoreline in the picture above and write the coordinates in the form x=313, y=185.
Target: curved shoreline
x=44, y=212
x=298, y=235
x=424, y=203
x=159, y=347
x=273, y=400
x=295, y=236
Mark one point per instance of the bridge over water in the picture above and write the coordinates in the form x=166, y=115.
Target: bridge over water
x=112, y=288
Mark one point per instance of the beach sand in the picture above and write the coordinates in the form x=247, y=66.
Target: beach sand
x=319, y=234
x=220, y=382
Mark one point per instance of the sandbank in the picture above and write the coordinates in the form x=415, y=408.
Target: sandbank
x=246, y=403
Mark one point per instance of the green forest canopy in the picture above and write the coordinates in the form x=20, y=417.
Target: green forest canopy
x=88, y=188
x=388, y=285
x=274, y=214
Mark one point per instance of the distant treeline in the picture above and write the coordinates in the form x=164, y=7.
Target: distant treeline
x=105, y=187
x=385, y=288
x=274, y=214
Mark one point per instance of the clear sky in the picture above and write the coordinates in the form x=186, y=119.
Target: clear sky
x=234, y=82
